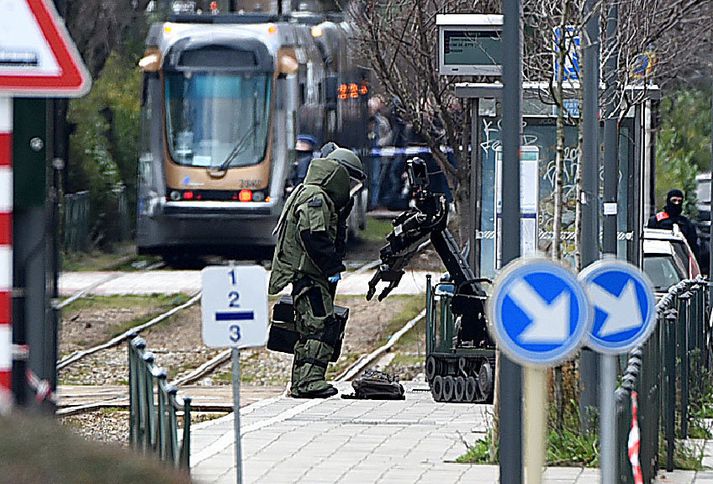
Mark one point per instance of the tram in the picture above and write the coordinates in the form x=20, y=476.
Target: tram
x=224, y=98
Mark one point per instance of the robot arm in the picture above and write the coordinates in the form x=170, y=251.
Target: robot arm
x=426, y=220
x=411, y=229
x=401, y=247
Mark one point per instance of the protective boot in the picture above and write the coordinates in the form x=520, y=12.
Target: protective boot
x=315, y=321
x=309, y=368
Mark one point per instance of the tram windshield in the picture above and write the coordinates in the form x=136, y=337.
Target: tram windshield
x=217, y=120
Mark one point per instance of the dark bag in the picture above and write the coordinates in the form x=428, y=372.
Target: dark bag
x=377, y=385
x=284, y=335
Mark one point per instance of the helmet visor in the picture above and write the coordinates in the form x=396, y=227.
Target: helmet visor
x=354, y=187
x=354, y=173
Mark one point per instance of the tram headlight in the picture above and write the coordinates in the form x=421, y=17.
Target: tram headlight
x=258, y=197
x=175, y=195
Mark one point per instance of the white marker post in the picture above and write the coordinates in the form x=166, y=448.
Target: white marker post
x=535, y=416
x=235, y=354
x=234, y=313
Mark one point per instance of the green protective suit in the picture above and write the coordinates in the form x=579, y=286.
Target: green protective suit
x=309, y=249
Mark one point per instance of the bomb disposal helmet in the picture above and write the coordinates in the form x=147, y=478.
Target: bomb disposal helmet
x=349, y=160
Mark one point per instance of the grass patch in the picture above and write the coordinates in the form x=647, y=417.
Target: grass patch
x=407, y=359
x=376, y=230
x=121, y=302
x=151, y=306
x=198, y=417
x=697, y=429
x=415, y=339
x=479, y=452
x=413, y=306
x=687, y=455
x=345, y=360
x=101, y=261
x=566, y=447
x=166, y=303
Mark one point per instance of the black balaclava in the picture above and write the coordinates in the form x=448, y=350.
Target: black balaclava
x=674, y=209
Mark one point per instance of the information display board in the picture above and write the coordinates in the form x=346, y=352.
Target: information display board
x=469, y=44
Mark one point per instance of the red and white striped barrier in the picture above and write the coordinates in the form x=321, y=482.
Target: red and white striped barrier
x=634, y=443
x=5, y=253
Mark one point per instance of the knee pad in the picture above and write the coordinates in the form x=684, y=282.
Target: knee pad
x=332, y=332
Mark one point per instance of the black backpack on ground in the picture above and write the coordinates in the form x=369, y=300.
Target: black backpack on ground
x=377, y=385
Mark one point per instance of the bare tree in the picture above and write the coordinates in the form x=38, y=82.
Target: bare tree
x=100, y=26
x=397, y=40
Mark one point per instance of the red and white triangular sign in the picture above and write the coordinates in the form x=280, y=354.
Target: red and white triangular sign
x=37, y=55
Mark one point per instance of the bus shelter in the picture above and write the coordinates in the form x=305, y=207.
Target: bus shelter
x=636, y=162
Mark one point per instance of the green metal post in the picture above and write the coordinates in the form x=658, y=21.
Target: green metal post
x=160, y=376
x=185, y=462
x=684, y=328
x=670, y=388
x=151, y=423
x=172, y=427
x=132, y=395
x=429, y=317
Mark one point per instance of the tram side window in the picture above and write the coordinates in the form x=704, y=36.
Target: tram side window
x=145, y=155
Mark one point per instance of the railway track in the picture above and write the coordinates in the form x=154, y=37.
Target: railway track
x=119, y=398
x=218, y=361
x=117, y=340
x=86, y=290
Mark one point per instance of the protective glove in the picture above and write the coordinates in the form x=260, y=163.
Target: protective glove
x=335, y=278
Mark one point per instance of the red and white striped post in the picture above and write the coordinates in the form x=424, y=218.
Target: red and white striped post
x=5, y=253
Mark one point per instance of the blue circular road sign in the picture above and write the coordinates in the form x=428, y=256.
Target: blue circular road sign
x=538, y=313
x=624, y=305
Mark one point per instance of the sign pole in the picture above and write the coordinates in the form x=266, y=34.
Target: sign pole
x=625, y=317
x=6, y=208
x=590, y=194
x=535, y=423
x=234, y=314
x=510, y=373
x=236, y=414
x=607, y=383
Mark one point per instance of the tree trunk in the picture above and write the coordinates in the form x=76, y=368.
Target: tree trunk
x=558, y=195
x=580, y=194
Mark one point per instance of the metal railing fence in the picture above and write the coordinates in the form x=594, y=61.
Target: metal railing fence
x=155, y=408
x=662, y=376
x=79, y=220
x=76, y=222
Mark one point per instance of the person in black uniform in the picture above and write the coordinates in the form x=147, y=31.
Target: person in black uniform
x=671, y=214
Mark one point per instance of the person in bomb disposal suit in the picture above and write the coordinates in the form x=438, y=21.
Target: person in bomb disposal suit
x=671, y=214
x=311, y=243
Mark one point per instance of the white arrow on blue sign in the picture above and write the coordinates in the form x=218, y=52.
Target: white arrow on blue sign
x=624, y=305
x=538, y=312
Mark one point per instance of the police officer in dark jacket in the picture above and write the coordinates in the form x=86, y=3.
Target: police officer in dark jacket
x=671, y=214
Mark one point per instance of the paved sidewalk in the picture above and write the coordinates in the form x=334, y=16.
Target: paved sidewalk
x=337, y=440
x=188, y=282
x=356, y=441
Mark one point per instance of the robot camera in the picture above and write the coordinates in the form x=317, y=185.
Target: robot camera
x=417, y=173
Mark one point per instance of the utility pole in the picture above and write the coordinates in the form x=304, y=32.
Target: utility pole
x=607, y=403
x=590, y=195
x=511, y=373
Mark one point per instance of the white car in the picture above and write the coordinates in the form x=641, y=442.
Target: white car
x=668, y=258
